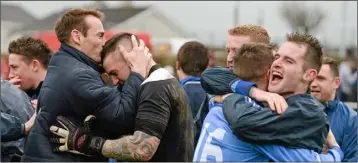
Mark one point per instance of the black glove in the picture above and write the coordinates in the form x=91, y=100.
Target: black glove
x=76, y=139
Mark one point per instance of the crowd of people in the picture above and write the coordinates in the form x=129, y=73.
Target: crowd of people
x=348, y=75
x=268, y=104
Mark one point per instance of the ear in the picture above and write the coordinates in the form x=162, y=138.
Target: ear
x=268, y=74
x=35, y=65
x=310, y=75
x=177, y=65
x=337, y=82
x=76, y=36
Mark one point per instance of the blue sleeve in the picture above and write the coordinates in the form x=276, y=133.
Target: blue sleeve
x=333, y=155
x=283, y=154
x=241, y=87
x=213, y=104
x=349, y=143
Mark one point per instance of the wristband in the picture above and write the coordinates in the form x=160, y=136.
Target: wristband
x=93, y=146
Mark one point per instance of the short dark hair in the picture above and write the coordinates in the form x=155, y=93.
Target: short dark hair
x=333, y=65
x=252, y=61
x=193, y=58
x=112, y=43
x=74, y=19
x=314, y=52
x=31, y=48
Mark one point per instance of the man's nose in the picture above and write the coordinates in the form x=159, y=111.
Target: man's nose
x=314, y=84
x=104, y=41
x=114, y=80
x=229, y=60
x=276, y=64
x=230, y=56
x=11, y=74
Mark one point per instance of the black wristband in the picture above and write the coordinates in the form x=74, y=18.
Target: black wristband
x=94, y=146
x=23, y=130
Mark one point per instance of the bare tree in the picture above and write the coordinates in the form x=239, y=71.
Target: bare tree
x=300, y=17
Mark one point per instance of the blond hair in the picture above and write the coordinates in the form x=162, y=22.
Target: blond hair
x=255, y=32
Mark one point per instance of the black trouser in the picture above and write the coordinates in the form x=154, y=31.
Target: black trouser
x=10, y=155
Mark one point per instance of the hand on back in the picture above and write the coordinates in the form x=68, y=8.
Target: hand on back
x=331, y=140
x=221, y=98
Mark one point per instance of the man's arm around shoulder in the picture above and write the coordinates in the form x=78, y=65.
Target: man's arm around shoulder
x=150, y=125
x=255, y=124
x=106, y=103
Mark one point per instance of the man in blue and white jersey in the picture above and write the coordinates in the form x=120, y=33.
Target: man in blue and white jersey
x=217, y=141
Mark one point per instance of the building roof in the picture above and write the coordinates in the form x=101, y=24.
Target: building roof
x=16, y=14
x=112, y=16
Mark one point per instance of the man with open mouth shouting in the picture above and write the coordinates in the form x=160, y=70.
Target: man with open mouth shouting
x=303, y=127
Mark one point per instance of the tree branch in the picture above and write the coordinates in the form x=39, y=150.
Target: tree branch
x=300, y=17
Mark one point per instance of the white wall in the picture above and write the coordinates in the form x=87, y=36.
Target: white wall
x=6, y=27
x=6, y=38
x=151, y=24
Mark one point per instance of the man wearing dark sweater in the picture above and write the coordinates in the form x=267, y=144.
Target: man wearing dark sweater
x=192, y=60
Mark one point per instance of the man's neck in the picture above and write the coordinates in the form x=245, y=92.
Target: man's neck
x=289, y=94
x=74, y=46
x=300, y=89
x=150, y=66
x=152, y=63
x=333, y=96
x=181, y=75
x=261, y=84
x=184, y=76
x=40, y=77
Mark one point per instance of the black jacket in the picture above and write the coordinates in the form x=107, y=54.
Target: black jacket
x=33, y=94
x=11, y=128
x=73, y=88
x=303, y=125
x=15, y=109
x=12, y=132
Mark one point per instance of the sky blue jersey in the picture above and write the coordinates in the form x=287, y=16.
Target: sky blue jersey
x=217, y=143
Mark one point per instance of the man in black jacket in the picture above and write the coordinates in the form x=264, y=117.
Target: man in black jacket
x=73, y=86
x=163, y=128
